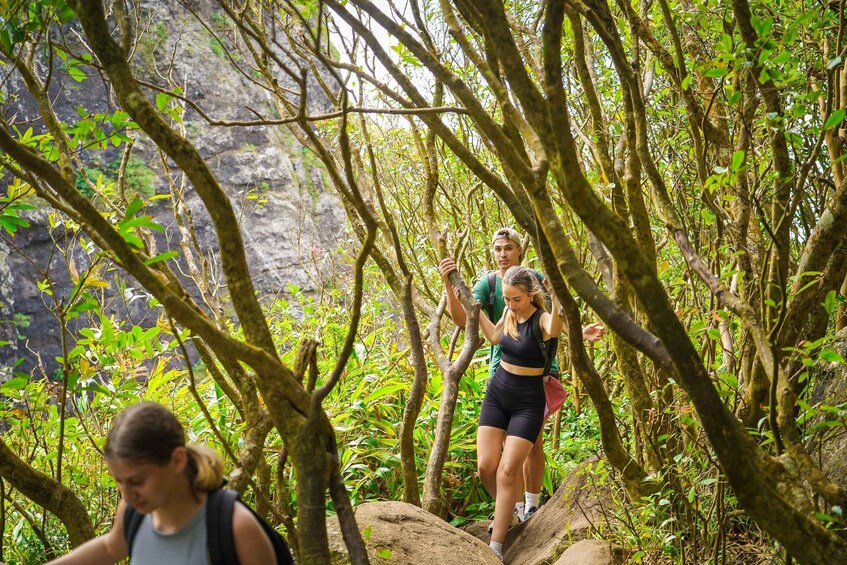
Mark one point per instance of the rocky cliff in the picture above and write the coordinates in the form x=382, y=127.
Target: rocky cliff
x=289, y=218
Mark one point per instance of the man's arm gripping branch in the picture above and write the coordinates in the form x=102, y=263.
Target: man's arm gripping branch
x=453, y=283
x=460, y=300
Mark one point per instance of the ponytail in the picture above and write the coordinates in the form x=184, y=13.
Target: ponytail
x=205, y=467
x=540, y=301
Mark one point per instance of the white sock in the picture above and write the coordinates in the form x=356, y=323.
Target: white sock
x=519, y=508
x=531, y=499
x=497, y=547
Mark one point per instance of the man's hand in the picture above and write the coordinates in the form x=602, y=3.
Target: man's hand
x=593, y=332
x=446, y=266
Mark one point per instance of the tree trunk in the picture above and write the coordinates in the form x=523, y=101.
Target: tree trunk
x=47, y=493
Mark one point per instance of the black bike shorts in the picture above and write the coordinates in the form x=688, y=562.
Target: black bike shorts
x=514, y=403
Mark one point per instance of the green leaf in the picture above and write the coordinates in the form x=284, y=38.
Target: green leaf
x=65, y=13
x=834, y=119
x=12, y=223
x=829, y=302
x=86, y=303
x=16, y=383
x=133, y=240
x=737, y=160
x=782, y=58
x=831, y=356
x=6, y=39
x=734, y=98
x=762, y=25
x=140, y=222
x=716, y=72
x=77, y=74
x=162, y=100
x=162, y=257
x=383, y=391
x=825, y=517
x=73, y=379
x=686, y=82
x=133, y=207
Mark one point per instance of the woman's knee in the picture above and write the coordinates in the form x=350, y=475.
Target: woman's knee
x=487, y=467
x=508, y=471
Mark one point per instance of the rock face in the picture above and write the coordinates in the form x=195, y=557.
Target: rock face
x=403, y=534
x=289, y=219
x=830, y=389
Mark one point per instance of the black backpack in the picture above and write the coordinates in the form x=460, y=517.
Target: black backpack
x=219, y=539
x=548, y=350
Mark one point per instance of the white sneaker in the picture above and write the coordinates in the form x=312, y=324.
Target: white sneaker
x=516, y=519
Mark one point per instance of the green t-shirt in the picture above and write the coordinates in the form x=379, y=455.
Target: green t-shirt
x=480, y=292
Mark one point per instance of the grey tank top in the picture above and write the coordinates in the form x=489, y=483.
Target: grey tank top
x=185, y=547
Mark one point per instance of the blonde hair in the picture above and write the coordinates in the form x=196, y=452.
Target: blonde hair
x=527, y=281
x=146, y=432
x=206, y=466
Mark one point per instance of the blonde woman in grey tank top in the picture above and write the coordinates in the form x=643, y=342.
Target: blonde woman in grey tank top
x=167, y=481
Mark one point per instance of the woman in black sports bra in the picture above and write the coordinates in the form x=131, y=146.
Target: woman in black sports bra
x=513, y=408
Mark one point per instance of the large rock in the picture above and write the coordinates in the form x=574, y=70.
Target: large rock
x=564, y=520
x=403, y=534
x=592, y=552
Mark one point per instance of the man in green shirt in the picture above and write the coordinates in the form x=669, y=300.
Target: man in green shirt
x=508, y=249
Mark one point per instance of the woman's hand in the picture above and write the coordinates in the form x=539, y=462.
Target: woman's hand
x=593, y=332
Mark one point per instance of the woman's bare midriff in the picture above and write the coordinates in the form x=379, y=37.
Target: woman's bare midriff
x=522, y=371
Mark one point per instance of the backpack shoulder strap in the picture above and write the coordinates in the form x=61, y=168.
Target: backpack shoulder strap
x=219, y=538
x=492, y=291
x=132, y=521
x=548, y=350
